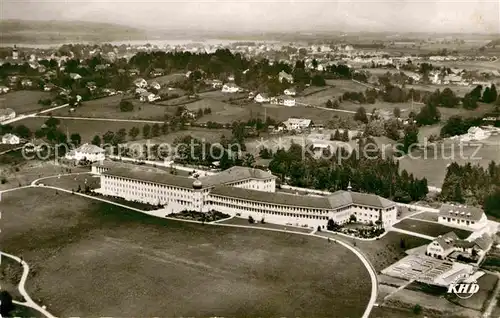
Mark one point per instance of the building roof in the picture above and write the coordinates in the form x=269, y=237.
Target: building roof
x=231, y=85
x=298, y=121
x=447, y=240
x=89, y=148
x=484, y=241
x=9, y=136
x=342, y=198
x=147, y=174
x=461, y=212
x=6, y=111
x=235, y=174
x=278, y=198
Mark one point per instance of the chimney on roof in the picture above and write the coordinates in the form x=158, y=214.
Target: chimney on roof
x=349, y=187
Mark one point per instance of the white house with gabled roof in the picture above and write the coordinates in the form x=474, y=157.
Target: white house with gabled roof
x=88, y=152
x=458, y=215
x=230, y=88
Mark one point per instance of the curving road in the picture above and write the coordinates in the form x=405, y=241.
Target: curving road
x=362, y=258
x=28, y=301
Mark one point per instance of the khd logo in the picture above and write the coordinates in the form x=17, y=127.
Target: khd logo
x=462, y=289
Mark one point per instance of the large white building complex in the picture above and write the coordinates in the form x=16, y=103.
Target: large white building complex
x=240, y=191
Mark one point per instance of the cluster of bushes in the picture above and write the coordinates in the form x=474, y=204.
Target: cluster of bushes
x=200, y=216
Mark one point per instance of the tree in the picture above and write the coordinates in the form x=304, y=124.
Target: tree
x=250, y=219
x=155, y=130
x=265, y=153
x=248, y=160
x=75, y=139
x=417, y=309
x=22, y=131
x=402, y=243
x=469, y=101
x=336, y=104
x=345, y=135
x=336, y=135
x=397, y=112
x=52, y=122
x=329, y=103
x=318, y=80
x=428, y=115
x=491, y=204
x=360, y=115
x=410, y=138
x=108, y=137
x=352, y=218
x=133, y=132
x=126, y=106
x=120, y=136
x=146, y=131
x=6, y=304
x=96, y=140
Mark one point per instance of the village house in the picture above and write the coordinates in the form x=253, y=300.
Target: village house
x=4, y=89
x=157, y=72
x=214, y=83
x=75, y=76
x=297, y=123
x=290, y=92
x=11, y=139
x=230, y=88
x=91, y=86
x=283, y=100
x=87, y=152
x=155, y=85
x=148, y=97
x=6, y=114
x=449, y=246
x=462, y=216
x=133, y=72
x=48, y=87
x=141, y=83
x=26, y=82
x=285, y=76
x=261, y=98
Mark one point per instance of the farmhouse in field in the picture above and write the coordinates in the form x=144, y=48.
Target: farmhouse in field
x=6, y=114
x=450, y=246
x=283, y=100
x=244, y=191
x=230, y=88
x=285, y=76
x=140, y=83
x=297, y=123
x=11, y=139
x=87, y=152
x=462, y=216
x=261, y=98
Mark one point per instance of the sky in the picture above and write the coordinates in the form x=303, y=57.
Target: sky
x=440, y=16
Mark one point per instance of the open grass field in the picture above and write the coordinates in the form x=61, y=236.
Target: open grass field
x=108, y=107
x=384, y=251
x=282, y=113
x=432, y=163
x=426, y=216
x=205, y=134
x=72, y=182
x=480, y=66
x=23, y=101
x=86, y=128
x=431, y=229
x=257, y=224
x=94, y=259
x=29, y=170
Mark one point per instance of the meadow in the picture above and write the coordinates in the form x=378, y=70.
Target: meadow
x=108, y=107
x=86, y=128
x=432, y=163
x=95, y=259
x=23, y=101
x=430, y=229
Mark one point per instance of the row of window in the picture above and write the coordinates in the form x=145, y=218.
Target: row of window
x=215, y=204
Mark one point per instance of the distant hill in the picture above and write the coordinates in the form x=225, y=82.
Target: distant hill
x=41, y=32
x=493, y=43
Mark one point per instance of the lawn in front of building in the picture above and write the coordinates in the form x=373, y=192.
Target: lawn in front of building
x=90, y=258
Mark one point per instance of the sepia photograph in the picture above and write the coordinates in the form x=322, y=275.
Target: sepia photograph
x=250, y=158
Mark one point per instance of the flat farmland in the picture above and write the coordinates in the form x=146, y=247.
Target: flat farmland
x=23, y=174
x=128, y=263
x=86, y=128
x=108, y=107
x=432, y=163
x=431, y=229
x=166, y=80
x=216, y=106
x=222, y=113
x=208, y=135
x=480, y=66
x=23, y=101
x=282, y=113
